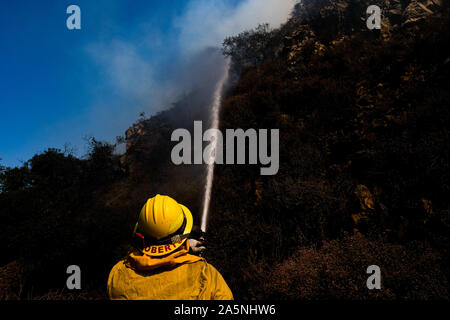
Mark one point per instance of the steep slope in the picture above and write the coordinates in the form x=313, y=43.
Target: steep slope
x=364, y=148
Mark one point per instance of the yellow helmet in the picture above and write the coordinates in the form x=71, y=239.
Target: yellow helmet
x=163, y=226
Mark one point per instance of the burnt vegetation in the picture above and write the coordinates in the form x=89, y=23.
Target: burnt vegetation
x=364, y=163
x=364, y=172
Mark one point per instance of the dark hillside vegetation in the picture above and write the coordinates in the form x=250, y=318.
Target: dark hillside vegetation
x=51, y=219
x=364, y=165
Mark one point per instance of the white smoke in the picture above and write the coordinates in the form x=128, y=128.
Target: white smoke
x=129, y=74
x=133, y=83
x=207, y=22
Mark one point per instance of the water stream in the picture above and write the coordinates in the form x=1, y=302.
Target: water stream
x=215, y=111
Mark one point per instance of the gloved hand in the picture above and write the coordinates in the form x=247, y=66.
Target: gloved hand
x=196, y=246
x=197, y=240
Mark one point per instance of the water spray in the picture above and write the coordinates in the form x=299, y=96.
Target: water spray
x=215, y=110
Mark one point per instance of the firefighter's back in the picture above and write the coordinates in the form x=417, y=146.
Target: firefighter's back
x=189, y=281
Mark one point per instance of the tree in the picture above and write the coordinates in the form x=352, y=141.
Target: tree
x=120, y=140
x=14, y=179
x=252, y=47
x=102, y=163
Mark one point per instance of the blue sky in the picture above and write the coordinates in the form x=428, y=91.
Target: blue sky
x=58, y=86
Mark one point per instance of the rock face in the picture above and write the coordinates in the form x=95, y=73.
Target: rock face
x=418, y=10
x=338, y=18
x=393, y=11
x=147, y=145
x=316, y=24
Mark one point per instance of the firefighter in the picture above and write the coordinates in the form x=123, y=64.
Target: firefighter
x=161, y=267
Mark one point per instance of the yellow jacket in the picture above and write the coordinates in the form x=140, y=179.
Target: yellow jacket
x=180, y=276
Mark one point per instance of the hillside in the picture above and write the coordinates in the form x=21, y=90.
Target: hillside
x=364, y=149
